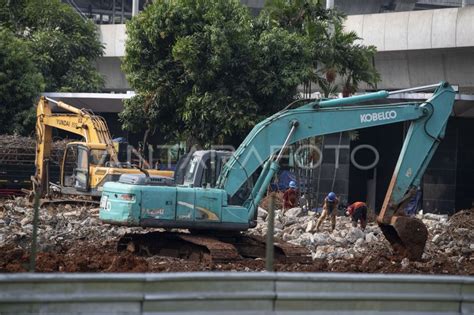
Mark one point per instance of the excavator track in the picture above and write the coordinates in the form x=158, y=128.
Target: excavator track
x=219, y=251
x=210, y=247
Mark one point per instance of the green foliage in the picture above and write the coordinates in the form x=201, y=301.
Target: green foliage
x=20, y=83
x=64, y=44
x=205, y=71
x=334, y=51
x=45, y=45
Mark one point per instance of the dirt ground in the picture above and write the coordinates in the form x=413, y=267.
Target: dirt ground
x=72, y=239
x=87, y=257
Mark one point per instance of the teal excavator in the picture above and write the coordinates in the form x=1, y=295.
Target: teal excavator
x=215, y=192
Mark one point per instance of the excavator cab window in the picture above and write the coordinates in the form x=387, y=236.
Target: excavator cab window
x=76, y=176
x=191, y=170
x=99, y=157
x=69, y=164
x=81, y=172
x=209, y=175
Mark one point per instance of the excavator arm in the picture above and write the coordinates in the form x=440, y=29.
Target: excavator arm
x=92, y=128
x=428, y=124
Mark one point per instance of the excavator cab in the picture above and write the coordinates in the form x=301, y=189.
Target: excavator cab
x=202, y=168
x=75, y=167
x=79, y=161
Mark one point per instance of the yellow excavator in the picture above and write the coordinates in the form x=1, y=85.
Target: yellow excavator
x=87, y=164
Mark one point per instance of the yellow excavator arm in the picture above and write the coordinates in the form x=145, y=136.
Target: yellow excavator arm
x=92, y=128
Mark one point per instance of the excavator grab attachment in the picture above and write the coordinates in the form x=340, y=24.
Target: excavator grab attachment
x=406, y=235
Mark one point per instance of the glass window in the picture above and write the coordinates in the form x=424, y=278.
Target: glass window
x=99, y=157
x=82, y=160
x=191, y=169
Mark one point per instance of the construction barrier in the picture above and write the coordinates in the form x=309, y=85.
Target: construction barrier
x=235, y=293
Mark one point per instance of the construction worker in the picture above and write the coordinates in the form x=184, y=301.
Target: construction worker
x=290, y=197
x=358, y=212
x=329, y=209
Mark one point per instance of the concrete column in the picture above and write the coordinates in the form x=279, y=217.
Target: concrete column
x=134, y=7
x=330, y=5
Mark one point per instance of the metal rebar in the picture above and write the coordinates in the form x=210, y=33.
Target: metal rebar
x=270, y=230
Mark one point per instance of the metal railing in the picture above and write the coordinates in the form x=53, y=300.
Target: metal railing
x=236, y=293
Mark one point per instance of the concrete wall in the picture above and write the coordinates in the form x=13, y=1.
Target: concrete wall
x=402, y=69
x=429, y=29
x=399, y=31
x=114, y=77
x=113, y=38
x=420, y=47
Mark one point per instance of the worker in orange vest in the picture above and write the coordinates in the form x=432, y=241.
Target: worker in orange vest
x=290, y=197
x=358, y=212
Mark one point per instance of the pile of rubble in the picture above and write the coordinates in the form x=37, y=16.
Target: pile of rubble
x=450, y=239
x=59, y=225
x=71, y=238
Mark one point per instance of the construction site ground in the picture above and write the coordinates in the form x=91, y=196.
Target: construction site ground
x=71, y=238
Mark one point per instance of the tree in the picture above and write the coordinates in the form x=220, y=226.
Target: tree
x=63, y=44
x=46, y=45
x=20, y=83
x=205, y=71
x=334, y=51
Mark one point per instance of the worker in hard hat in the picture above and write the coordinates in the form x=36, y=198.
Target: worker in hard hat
x=329, y=209
x=290, y=197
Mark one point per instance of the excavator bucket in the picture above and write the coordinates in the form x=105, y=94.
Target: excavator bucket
x=407, y=236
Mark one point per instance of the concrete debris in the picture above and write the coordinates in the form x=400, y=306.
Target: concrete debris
x=370, y=237
x=262, y=213
x=310, y=226
x=436, y=239
x=72, y=238
x=436, y=217
x=355, y=234
x=59, y=225
x=346, y=241
x=405, y=263
x=294, y=212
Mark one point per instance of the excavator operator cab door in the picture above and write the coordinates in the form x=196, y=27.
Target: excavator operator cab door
x=75, y=168
x=203, y=168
